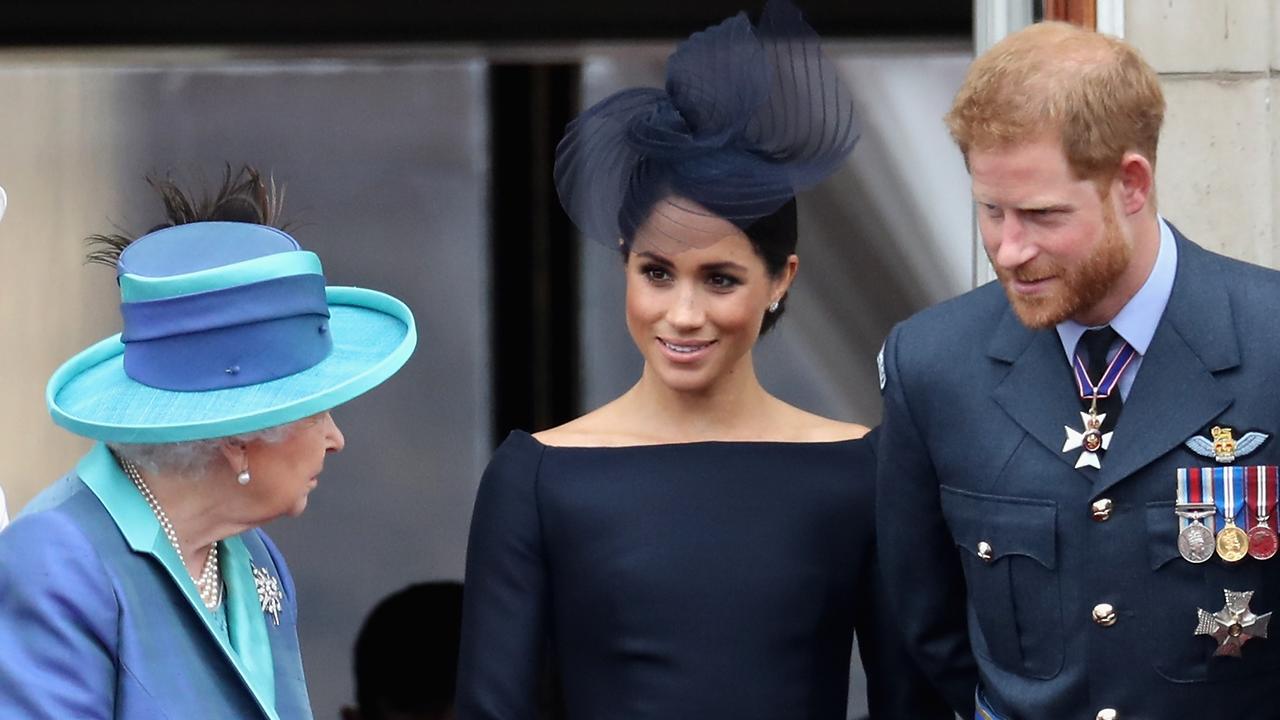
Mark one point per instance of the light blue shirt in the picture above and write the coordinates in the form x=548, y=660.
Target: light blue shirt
x=1137, y=320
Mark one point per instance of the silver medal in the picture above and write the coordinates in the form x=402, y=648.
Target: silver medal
x=1196, y=543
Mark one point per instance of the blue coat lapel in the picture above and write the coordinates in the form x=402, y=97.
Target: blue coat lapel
x=99, y=471
x=291, y=686
x=1037, y=393
x=1173, y=396
x=1175, y=393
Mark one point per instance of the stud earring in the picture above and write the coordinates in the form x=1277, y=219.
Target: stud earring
x=243, y=478
x=774, y=307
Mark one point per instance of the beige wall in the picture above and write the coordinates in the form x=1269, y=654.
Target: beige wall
x=51, y=304
x=1218, y=169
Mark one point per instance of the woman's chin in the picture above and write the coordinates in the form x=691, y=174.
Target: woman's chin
x=298, y=507
x=686, y=379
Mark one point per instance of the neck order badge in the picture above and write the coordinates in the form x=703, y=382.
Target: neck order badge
x=1093, y=441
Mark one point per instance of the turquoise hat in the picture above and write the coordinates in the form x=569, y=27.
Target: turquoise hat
x=228, y=328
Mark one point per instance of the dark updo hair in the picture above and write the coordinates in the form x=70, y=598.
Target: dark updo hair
x=774, y=239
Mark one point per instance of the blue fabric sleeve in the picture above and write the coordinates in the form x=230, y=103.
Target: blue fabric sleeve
x=896, y=687
x=504, y=622
x=917, y=557
x=58, y=618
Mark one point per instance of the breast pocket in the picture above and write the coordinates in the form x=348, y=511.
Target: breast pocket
x=1178, y=588
x=1009, y=552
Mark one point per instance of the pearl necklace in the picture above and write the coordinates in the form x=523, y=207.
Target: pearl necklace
x=209, y=584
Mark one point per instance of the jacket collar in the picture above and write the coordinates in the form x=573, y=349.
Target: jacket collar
x=1173, y=395
x=247, y=648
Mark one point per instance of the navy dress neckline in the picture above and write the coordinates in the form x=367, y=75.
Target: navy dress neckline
x=691, y=443
x=715, y=579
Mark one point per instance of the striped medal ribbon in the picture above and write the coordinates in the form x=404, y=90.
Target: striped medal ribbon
x=1196, y=510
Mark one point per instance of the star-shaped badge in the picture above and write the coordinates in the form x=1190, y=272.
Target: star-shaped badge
x=270, y=596
x=1091, y=440
x=1234, y=624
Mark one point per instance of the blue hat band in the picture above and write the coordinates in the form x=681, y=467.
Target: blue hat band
x=232, y=337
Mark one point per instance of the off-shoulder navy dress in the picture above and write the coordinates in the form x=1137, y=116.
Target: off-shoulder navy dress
x=705, y=580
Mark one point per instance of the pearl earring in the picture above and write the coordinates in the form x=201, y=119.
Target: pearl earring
x=243, y=478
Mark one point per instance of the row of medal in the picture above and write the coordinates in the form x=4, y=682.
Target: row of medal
x=1228, y=511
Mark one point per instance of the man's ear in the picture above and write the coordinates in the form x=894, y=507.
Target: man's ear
x=1136, y=179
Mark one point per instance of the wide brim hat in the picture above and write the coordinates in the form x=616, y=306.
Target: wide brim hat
x=229, y=328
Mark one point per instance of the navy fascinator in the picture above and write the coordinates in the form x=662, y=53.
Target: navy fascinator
x=749, y=117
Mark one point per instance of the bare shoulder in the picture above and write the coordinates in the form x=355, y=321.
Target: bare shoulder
x=810, y=427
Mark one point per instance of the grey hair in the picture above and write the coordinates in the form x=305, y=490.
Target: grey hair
x=192, y=458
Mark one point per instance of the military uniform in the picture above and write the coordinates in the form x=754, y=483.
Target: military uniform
x=1077, y=602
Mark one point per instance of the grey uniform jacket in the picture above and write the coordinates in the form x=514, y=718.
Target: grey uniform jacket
x=970, y=453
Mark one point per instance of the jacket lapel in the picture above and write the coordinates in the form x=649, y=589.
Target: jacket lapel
x=102, y=475
x=1038, y=393
x=1175, y=393
x=291, y=697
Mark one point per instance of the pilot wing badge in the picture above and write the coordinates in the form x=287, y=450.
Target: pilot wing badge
x=1222, y=445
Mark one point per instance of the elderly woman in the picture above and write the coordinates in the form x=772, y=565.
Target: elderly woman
x=140, y=585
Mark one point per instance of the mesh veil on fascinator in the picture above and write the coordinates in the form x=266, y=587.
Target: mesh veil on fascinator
x=749, y=116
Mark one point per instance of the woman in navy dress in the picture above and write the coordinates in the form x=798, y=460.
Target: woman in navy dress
x=696, y=548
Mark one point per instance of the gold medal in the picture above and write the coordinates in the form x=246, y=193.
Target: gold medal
x=1233, y=543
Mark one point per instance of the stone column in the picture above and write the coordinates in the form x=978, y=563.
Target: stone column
x=1217, y=170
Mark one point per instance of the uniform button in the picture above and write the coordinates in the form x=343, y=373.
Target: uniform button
x=985, y=551
x=1104, y=615
x=1107, y=714
x=1101, y=509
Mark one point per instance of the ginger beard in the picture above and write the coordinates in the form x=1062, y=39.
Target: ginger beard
x=1081, y=286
